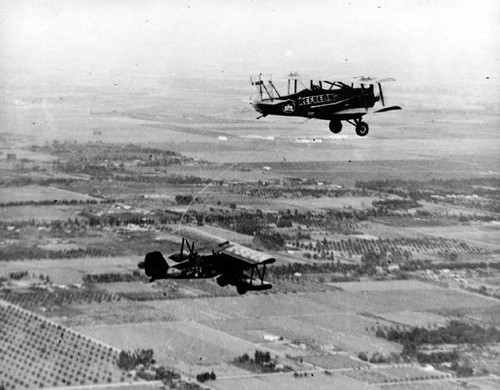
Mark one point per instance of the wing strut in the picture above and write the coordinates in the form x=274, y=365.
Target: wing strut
x=260, y=275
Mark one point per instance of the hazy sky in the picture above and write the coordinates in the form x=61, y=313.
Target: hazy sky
x=440, y=40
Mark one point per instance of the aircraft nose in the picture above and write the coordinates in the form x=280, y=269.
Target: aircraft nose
x=256, y=105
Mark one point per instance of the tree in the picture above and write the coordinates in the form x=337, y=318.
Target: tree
x=362, y=356
x=183, y=199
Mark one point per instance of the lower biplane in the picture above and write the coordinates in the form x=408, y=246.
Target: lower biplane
x=335, y=101
x=226, y=262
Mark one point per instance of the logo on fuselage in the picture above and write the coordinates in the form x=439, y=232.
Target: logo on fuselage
x=288, y=108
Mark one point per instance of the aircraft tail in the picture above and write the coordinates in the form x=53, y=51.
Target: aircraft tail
x=155, y=266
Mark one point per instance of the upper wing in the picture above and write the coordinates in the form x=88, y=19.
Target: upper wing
x=247, y=255
x=203, y=240
x=207, y=241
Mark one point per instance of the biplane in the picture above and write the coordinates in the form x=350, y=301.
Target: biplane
x=335, y=101
x=214, y=257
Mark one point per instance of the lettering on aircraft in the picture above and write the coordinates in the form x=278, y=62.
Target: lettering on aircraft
x=307, y=100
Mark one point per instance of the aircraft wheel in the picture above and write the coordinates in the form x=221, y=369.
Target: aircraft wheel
x=362, y=129
x=335, y=126
x=242, y=289
x=221, y=281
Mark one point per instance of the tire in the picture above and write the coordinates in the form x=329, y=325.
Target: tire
x=335, y=126
x=241, y=289
x=362, y=129
x=221, y=281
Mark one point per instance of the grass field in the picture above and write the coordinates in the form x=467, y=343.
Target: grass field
x=191, y=334
x=449, y=209
x=34, y=193
x=414, y=318
x=479, y=384
x=386, y=285
x=352, y=202
x=477, y=234
x=67, y=271
x=39, y=213
x=334, y=361
x=179, y=341
x=313, y=381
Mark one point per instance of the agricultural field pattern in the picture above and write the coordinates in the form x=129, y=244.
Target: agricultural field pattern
x=387, y=246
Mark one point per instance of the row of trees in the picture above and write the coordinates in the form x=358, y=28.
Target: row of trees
x=455, y=332
x=55, y=202
x=396, y=204
x=128, y=360
x=273, y=192
x=484, y=186
x=144, y=363
x=269, y=240
x=247, y=222
x=99, y=152
x=112, y=277
x=205, y=376
x=417, y=265
x=18, y=252
x=261, y=361
x=401, y=245
x=56, y=297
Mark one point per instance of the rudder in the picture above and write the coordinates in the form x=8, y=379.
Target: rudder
x=155, y=266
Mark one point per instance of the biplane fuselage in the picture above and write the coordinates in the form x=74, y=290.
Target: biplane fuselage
x=228, y=263
x=318, y=103
x=334, y=101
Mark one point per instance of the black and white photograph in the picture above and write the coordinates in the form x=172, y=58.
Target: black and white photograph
x=249, y=194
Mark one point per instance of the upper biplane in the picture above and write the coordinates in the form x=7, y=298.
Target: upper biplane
x=227, y=262
x=335, y=101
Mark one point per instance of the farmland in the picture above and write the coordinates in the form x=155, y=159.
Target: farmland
x=40, y=194
x=38, y=353
x=397, y=230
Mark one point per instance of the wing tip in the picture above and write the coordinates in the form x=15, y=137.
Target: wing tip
x=269, y=261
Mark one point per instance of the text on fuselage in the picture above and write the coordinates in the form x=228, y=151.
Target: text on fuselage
x=307, y=100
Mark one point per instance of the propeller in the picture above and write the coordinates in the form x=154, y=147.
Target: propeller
x=381, y=94
x=363, y=95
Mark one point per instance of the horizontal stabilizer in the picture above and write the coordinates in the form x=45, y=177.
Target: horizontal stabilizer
x=385, y=109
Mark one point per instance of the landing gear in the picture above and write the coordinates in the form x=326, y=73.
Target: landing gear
x=222, y=281
x=361, y=128
x=335, y=126
x=241, y=288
